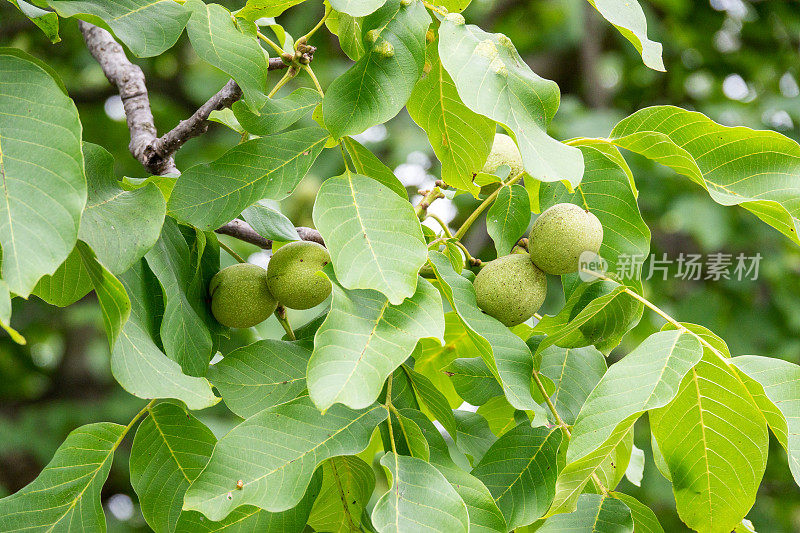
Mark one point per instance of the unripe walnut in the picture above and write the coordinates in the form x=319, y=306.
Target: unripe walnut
x=292, y=275
x=240, y=297
x=510, y=289
x=504, y=152
x=560, y=235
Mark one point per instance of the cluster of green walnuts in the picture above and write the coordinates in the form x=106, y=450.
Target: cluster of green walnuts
x=243, y=295
x=513, y=287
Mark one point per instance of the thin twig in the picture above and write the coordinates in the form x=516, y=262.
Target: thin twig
x=243, y=231
x=154, y=153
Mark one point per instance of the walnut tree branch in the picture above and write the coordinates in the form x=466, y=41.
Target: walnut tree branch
x=156, y=154
x=244, y=232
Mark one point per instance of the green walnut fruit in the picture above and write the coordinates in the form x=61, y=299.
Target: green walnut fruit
x=560, y=235
x=240, y=297
x=511, y=289
x=504, y=152
x=292, y=275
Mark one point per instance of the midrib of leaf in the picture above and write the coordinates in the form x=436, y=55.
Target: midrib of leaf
x=94, y=475
x=663, y=369
x=273, y=171
x=141, y=8
x=342, y=496
x=302, y=455
x=169, y=448
x=704, y=440
x=539, y=449
x=366, y=345
x=364, y=232
x=14, y=254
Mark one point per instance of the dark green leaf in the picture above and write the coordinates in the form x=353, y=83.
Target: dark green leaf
x=260, y=375
x=520, y=471
x=170, y=449
x=44, y=188
x=494, y=81
x=65, y=496
x=286, y=470
x=508, y=218
x=351, y=213
x=148, y=27
x=217, y=39
x=364, y=339
x=208, y=196
x=376, y=88
x=269, y=223
x=277, y=114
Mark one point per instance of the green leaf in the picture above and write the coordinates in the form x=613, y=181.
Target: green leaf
x=714, y=441
x=595, y=513
x=147, y=27
x=506, y=355
x=431, y=358
x=119, y=225
x=68, y=284
x=47, y=21
x=409, y=438
x=484, y=516
x=217, y=39
x=367, y=164
x=184, y=332
x=256, y=9
x=169, y=450
x=407, y=505
x=598, y=313
x=364, y=338
x=647, y=378
x=247, y=518
x=347, y=485
x=277, y=114
x=367, y=253
x=520, y=471
x=44, y=188
x=208, y=196
x=644, y=519
x=778, y=397
x=349, y=30
x=473, y=380
x=111, y=294
x=574, y=372
x=433, y=399
x=288, y=466
x=65, y=496
x=269, y=223
x=377, y=87
x=138, y=364
x=737, y=166
x=460, y=138
x=501, y=415
x=627, y=16
x=356, y=8
x=474, y=436
x=510, y=93
x=508, y=218
x=260, y=375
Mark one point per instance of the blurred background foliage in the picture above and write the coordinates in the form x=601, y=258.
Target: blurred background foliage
x=734, y=60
